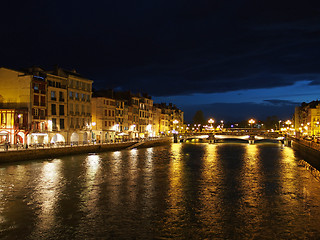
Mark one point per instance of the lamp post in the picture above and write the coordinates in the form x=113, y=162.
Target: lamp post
x=279, y=125
x=288, y=122
x=251, y=121
x=174, y=133
x=211, y=121
x=175, y=122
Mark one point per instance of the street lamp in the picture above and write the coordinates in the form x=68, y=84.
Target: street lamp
x=288, y=122
x=174, y=123
x=317, y=125
x=251, y=121
x=211, y=121
x=279, y=125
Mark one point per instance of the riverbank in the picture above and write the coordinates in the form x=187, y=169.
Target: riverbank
x=308, y=150
x=29, y=154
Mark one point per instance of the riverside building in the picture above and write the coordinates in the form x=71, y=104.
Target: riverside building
x=43, y=96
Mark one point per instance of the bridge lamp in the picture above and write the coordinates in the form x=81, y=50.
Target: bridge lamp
x=251, y=121
x=211, y=121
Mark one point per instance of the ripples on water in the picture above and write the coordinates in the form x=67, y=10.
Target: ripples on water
x=180, y=191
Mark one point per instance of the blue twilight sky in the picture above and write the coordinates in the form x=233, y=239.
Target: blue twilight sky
x=244, y=104
x=230, y=59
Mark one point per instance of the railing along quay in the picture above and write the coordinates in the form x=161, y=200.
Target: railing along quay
x=23, y=147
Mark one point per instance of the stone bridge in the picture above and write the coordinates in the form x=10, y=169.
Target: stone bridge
x=222, y=137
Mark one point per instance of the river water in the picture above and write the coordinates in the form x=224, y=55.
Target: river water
x=178, y=191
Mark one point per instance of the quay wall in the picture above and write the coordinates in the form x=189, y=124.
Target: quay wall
x=31, y=154
x=307, y=150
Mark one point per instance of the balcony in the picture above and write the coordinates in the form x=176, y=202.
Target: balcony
x=61, y=99
x=53, y=99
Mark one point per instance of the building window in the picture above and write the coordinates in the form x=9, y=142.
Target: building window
x=77, y=109
x=53, y=95
x=61, y=97
x=61, y=123
x=105, y=112
x=43, y=101
x=35, y=112
x=36, y=86
x=42, y=113
x=61, y=110
x=71, y=95
x=36, y=100
x=54, y=123
x=53, y=109
x=77, y=96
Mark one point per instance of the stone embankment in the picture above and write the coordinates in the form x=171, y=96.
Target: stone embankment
x=310, y=151
x=30, y=154
x=315, y=172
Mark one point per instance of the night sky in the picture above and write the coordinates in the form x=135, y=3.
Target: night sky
x=233, y=60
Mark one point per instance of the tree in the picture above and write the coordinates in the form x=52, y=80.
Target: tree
x=198, y=118
x=272, y=122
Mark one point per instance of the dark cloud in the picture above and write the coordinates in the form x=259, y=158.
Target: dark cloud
x=168, y=47
x=285, y=103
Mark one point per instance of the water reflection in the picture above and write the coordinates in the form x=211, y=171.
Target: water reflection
x=133, y=175
x=175, y=199
x=211, y=188
x=90, y=195
x=251, y=195
x=148, y=181
x=47, y=193
x=181, y=191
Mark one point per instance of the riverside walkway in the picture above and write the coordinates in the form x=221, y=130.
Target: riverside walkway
x=15, y=153
x=23, y=147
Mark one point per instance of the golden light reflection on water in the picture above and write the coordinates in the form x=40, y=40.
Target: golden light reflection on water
x=251, y=188
x=210, y=189
x=148, y=180
x=175, y=193
x=47, y=194
x=93, y=164
x=91, y=192
x=133, y=175
x=115, y=179
x=288, y=175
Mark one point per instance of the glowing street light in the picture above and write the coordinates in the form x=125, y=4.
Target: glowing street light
x=251, y=121
x=211, y=121
x=279, y=125
x=175, y=122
